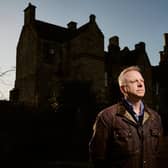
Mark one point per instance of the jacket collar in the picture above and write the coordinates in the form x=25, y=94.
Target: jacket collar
x=124, y=113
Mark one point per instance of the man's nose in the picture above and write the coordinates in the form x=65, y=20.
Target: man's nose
x=140, y=83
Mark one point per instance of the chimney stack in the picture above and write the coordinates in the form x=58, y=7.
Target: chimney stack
x=72, y=25
x=92, y=18
x=29, y=14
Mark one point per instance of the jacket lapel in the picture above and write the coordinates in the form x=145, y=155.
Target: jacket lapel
x=123, y=112
x=128, y=116
x=145, y=118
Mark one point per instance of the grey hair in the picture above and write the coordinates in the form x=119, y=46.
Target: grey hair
x=121, y=79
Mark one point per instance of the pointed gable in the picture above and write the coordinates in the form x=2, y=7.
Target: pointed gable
x=92, y=21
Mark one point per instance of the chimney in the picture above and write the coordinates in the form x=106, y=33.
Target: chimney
x=72, y=25
x=164, y=53
x=29, y=14
x=114, y=41
x=140, y=46
x=166, y=39
x=162, y=56
x=92, y=18
x=166, y=43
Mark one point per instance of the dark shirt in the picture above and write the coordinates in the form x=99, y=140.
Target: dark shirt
x=129, y=107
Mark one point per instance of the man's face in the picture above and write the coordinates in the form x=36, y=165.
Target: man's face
x=134, y=87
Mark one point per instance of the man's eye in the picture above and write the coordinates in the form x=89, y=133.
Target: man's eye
x=133, y=81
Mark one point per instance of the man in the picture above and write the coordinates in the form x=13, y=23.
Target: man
x=127, y=134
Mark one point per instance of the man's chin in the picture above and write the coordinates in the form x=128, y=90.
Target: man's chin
x=140, y=96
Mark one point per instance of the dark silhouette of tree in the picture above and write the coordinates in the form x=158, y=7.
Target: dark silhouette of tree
x=6, y=81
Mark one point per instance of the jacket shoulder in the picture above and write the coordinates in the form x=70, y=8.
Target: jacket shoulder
x=108, y=113
x=152, y=112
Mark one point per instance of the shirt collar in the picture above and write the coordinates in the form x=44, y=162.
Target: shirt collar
x=131, y=106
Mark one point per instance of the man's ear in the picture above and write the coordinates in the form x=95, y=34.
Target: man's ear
x=123, y=89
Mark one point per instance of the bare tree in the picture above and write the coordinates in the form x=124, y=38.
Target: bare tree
x=6, y=82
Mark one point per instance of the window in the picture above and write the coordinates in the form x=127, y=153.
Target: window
x=49, y=54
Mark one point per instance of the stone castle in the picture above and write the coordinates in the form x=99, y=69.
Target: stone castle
x=58, y=66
